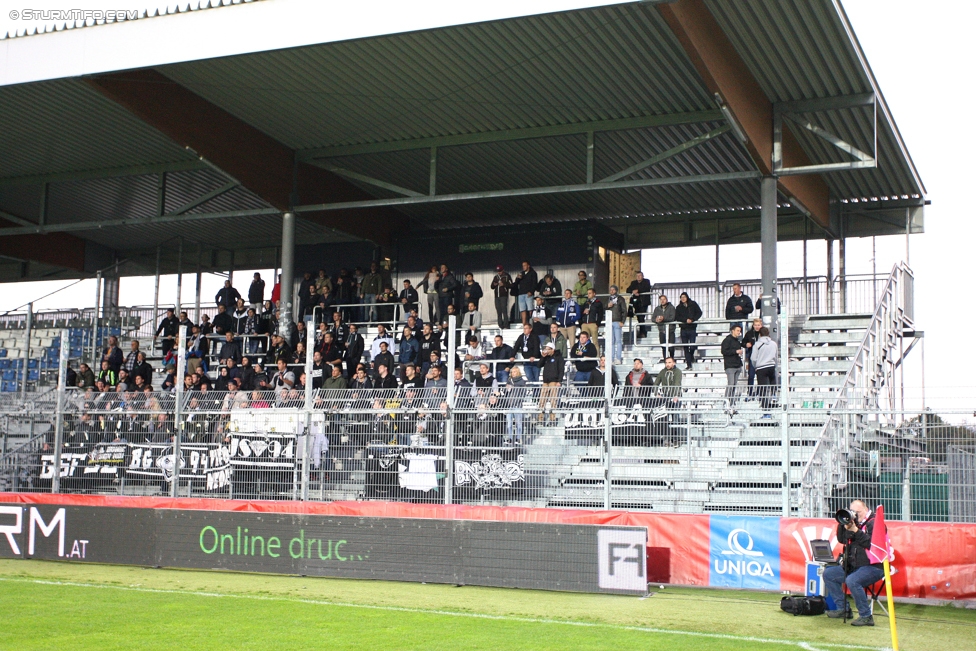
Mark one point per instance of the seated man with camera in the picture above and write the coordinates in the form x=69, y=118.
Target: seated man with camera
x=854, y=530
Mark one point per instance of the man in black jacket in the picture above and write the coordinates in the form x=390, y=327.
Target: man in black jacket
x=501, y=351
x=584, y=348
x=168, y=327
x=255, y=293
x=471, y=291
x=732, y=359
x=738, y=306
x=592, y=316
x=528, y=280
x=447, y=287
x=227, y=296
x=501, y=285
x=748, y=341
x=687, y=312
x=222, y=321
x=553, y=366
x=857, y=570
x=640, y=299
x=408, y=299
x=355, y=345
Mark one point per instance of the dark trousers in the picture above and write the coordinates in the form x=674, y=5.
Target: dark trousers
x=767, y=385
x=641, y=330
x=501, y=309
x=689, y=336
x=665, y=335
x=862, y=577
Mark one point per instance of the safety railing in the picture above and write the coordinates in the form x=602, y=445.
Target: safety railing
x=869, y=385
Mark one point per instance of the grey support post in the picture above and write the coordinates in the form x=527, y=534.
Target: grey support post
x=287, y=273
x=182, y=334
x=608, y=421
x=179, y=280
x=94, y=341
x=769, y=235
x=309, y=351
x=449, y=435
x=155, y=316
x=784, y=402
x=59, y=413
x=28, y=325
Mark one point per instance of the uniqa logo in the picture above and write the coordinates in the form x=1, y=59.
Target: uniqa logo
x=742, y=566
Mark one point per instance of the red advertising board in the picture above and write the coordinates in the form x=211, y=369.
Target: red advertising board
x=935, y=560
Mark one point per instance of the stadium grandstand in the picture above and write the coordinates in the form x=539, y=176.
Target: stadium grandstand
x=463, y=319
x=455, y=211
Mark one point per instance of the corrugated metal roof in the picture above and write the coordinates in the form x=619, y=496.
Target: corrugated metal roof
x=65, y=126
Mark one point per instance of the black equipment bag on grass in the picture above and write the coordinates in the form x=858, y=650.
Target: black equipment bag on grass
x=797, y=605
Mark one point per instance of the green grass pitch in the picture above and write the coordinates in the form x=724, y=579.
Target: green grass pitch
x=47, y=605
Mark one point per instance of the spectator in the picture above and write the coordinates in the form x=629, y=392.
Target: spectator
x=598, y=375
x=107, y=375
x=308, y=300
x=86, y=377
x=471, y=321
x=584, y=349
x=133, y=357
x=474, y=351
x=429, y=286
x=592, y=316
x=279, y=350
x=447, y=286
x=251, y=331
x=168, y=327
x=223, y=322
x=283, y=379
x=663, y=316
x=434, y=359
x=143, y=369
x=501, y=286
x=412, y=379
x=527, y=347
x=320, y=370
x=557, y=339
x=344, y=293
x=185, y=321
x=113, y=354
x=323, y=282
x=233, y=370
x=668, y=381
x=360, y=380
x=239, y=317
x=230, y=348
x=618, y=312
x=748, y=340
x=567, y=315
x=551, y=292
x=255, y=293
x=384, y=379
x=276, y=292
x=197, y=349
x=515, y=394
x=326, y=304
x=501, y=352
x=381, y=336
x=552, y=365
x=435, y=378
x=339, y=330
x=764, y=359
x=227, y=296
x=383, y=356
x=355, y=345
x=738, y=307
x=408, y=298
x=640, y=300
x=169, y=380
x=370, y=289
x=299, y=335
x=330, y=351
x=409, y=352
x=485, y=383
x=528, y=281
x=582, y=285
x=732, y=359
x=471, y=291
x=205, y=326
x=386, y=304
x=687, y=313
x=540, y=319
x=336, y=381
x=304, y=285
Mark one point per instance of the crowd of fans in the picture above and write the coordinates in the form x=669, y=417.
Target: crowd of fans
x=242, y=349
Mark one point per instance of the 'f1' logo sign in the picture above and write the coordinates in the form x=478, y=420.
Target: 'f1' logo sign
x=621, y=555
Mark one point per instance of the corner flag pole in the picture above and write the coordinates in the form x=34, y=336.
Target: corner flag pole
x=891, y=606
x=881, y=550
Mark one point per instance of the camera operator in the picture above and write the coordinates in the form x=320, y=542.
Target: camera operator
x=856, y=568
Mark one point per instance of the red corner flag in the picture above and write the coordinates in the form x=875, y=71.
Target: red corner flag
x=880, y=550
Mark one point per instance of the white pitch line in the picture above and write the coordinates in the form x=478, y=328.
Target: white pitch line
x=807, y=646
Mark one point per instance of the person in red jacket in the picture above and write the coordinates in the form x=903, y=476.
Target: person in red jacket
x=276, y=291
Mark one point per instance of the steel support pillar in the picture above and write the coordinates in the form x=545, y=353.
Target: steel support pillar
x=784, y=402
x=196, y=303
x=182, y=334
x=842, y=268
x=179, y=281
x=719, y=313
x=287, y=274
x=94, y=342
x=59, y=413
x=29, y=324
x=159, y=252
x=309, y=389
x=830, y=276
x=608, y=421
x=768, y=235
x=449, y=435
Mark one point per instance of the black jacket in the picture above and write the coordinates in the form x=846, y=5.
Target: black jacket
x=428, y=344
x=730, y=352
x=595, y=314
x=585, y=351
x=472, y=294
x=527, y=346
x=354, y=350
x=255, y=293
x=552, y=367
x=412, y=297
x=750, y=337
x=857, y=543
x=734, y=300
x=528, y=282
x=644, y=287
x=684, y=311
x=168, y=326
x=227, y=296
x=389, y=382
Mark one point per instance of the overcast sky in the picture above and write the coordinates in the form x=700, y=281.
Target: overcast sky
x=922, y=55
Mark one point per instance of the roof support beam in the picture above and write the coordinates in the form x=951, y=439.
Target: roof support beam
x=663, y=156
x=726, y=75
x=513, y=134
x=224, y=189
x=107, y=172
x=62, y=250
x=262, y=164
